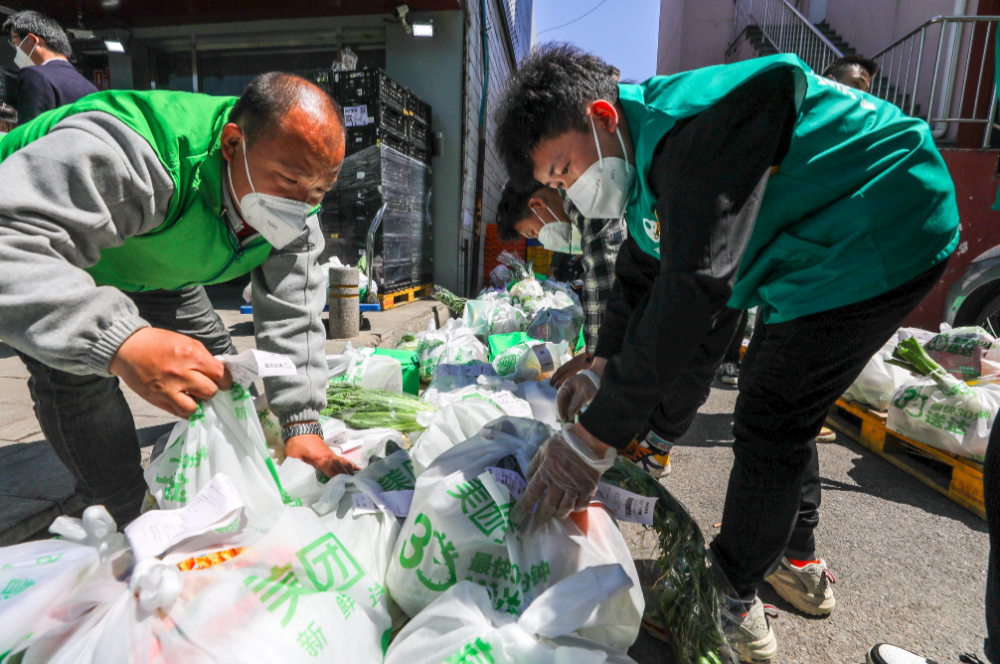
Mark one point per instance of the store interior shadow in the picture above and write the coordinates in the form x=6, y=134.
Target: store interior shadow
x=33, y=480
x=877, y=477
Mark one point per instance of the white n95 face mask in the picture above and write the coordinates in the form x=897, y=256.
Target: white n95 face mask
x=23, y=60
x=279, y=220
x=560, y=236
x=602, y=192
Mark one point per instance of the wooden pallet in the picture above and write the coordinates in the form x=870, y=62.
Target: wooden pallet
x=396, y=298
x=954, y=476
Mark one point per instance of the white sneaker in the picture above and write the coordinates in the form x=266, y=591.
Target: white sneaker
x=883, y=653
x=806, y=588
x=752, y=638
x=729, y=373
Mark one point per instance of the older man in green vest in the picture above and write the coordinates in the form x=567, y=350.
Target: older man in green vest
x=115, y=211
x=752, y=184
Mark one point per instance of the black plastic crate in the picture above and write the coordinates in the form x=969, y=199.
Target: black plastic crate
x=321, y=77
x=419, y=110
x=358, y=87
x=418, y=134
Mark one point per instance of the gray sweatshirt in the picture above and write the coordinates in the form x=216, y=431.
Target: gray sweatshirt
x=88, y=185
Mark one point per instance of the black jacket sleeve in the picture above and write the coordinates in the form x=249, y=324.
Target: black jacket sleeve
x=34, y=95
x=709, y=174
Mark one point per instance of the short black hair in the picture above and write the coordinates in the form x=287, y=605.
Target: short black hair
x=545, y=98
x=40, y=25
x=267, y=99
x=8, y=117
x=513, y=208
x=842, y=66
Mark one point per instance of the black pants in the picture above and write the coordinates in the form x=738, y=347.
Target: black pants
x=733, y=352
x=792, y=374
x=89, y=423
x=991, y=494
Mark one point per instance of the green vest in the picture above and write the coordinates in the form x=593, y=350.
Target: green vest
x=194, y=245
x=861, y=204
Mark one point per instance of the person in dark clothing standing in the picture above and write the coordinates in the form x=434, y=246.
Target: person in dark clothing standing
x=756, y=184
x=47, y=80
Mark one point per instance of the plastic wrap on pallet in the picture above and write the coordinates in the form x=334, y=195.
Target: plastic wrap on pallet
x=403, y=248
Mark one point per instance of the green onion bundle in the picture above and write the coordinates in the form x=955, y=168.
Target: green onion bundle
x=689, y=596
x=450, y=300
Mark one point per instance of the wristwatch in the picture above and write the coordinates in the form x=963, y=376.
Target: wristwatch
x=301, y=430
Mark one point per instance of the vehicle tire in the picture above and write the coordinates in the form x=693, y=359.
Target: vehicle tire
x=988, y=317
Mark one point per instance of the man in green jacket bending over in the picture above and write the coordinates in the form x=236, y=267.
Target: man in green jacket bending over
x=752, y=184
x=115, y=211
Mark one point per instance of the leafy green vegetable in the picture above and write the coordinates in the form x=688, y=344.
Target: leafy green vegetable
x=910, y=355
x=690, y=597
x=363, y=408
x=450, y=300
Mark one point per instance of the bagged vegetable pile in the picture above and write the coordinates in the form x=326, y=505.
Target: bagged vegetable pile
x=362, y=408
x=462, y=626
x=494, y=313
x=454, y=343
x=459, y=529
x=940, y=410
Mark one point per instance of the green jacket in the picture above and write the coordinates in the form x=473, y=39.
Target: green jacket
x=861, y=204
x=195, y=244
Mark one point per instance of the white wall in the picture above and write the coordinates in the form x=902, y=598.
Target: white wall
x=432, y=68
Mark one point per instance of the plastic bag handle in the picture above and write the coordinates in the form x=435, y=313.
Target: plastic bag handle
x=567, y=605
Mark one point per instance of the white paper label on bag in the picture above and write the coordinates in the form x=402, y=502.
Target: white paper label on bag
x=478, y=370
x=544, y=358
x=356, y=116
x=625, y=505
x=394, y=502
x=510, y=404
x=510, y=479
x=252, y=364
x=214, y=507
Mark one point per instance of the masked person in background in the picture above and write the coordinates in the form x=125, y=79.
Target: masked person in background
x=115, y=212
x=752, y=184
x=46, y=79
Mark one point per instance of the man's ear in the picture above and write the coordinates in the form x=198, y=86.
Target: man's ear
x=604, y=114
x=231, y=137
x=536, y=203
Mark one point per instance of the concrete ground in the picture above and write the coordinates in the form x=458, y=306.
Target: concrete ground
x=910, y=564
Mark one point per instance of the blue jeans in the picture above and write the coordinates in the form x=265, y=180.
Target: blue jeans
x=89, y=423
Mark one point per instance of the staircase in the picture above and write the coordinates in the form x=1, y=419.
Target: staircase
x=835, y=39
x=762, y=47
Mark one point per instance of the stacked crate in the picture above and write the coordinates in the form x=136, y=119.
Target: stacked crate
x=540, y=256
x=388, y=161
x=403, y=244
x=378, y=111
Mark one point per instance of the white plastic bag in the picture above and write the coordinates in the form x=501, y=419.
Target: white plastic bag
x=362, y=367
x=449, y=378
x=109, y=621
x=541, y=398
x=369, y=535
x=35, y=576
x=223, y=436
x=878, y=381
x=458, y=529
x=296, y=595
x=454, y=343
x=271, y=427
x=453, y=424
x=360, y=446
x=494, y=315
x=556, y=325
x=540, y=361
x=961, y=351
x=958, y=422
x=462, y=626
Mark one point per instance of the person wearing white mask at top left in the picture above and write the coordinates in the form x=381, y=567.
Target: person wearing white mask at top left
x=117, y=210
x=46, y=79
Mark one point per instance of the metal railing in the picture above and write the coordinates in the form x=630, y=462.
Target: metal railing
x=787, y=30
x=940, y=93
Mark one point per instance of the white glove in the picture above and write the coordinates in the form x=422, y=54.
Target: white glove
x=566, y=471
x=575, y=393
